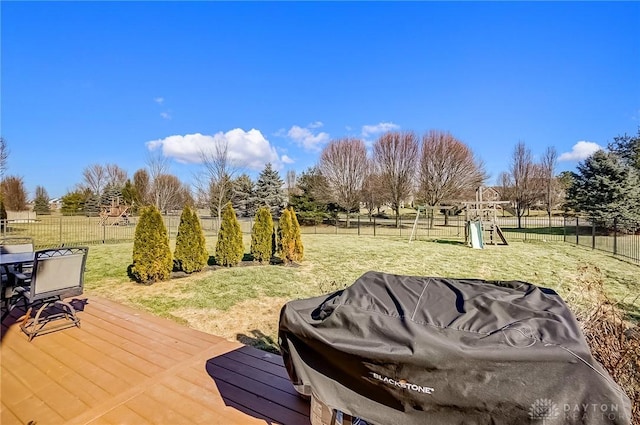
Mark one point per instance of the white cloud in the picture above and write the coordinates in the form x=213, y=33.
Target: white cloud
x=165, y=115
x=306, y=138
x=580, y=151
x=159, y=100
x=245, y=148
x=316, y=124
x=286, y=159
x=370, y=130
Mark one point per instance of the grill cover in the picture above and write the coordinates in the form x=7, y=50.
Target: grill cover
x=396, y=349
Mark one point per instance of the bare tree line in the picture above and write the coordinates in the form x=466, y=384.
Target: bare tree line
x=437, y=169
x=433, y=170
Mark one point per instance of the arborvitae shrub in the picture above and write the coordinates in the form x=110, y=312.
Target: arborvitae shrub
x=286, y=242
x=152, y=260
x=229, y=248
x=191, y=251
x=261, y=235
x=298, y=248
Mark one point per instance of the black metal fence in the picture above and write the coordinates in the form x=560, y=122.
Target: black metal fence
x=620, y=239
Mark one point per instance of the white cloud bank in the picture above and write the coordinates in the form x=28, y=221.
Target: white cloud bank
x=383, y=127
x=307, y=138
x=245, y=148
x=580, y=151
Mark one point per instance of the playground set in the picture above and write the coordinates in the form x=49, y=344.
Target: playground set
x=116, y=214
x=480, y=218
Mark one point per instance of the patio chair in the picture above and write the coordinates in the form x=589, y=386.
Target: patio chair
x=57, y=274
x=12, y=245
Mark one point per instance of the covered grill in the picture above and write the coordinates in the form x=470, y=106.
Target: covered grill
x=394, y=349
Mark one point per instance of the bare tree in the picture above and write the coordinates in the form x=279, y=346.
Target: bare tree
x=116, y=176
x=169, y=192
x=344, y=164
x=548, y=168
x=217, y=180
x=291, y=184
x=4, y=156
x=396, y=158
x=95, y=178
x=448, y=168
x=142, y=186
x=372, y=193
x=14, y=194
x=505, y=188
x=162, y=183
x=157, y=165
x=525, y=176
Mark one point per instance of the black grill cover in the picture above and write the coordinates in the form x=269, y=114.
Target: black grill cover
x=424, y=350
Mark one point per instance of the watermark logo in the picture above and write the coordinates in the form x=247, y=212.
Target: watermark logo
x=543, y=409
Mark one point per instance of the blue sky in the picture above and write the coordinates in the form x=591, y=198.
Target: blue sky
x=110, y=82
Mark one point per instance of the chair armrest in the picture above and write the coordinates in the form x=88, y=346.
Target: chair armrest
x=20, y=278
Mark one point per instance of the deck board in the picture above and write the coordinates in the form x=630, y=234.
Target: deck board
x=125, y=366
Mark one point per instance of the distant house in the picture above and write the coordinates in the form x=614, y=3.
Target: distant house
x=490, y=194
x=55, y=204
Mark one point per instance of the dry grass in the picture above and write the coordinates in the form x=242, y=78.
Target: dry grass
x=614, y=341
x=250, y=321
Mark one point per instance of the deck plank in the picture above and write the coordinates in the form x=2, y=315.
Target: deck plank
x=125, y=366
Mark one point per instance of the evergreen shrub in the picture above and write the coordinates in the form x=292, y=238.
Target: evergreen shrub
x=298, y=248
x=152, y=260
x=261, y=234
x=191, y=253
x=229, y=248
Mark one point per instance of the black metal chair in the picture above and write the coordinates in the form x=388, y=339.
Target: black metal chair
x=57, y=274
x=13, y=245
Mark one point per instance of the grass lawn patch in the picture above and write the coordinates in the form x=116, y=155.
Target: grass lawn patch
x=243, y=302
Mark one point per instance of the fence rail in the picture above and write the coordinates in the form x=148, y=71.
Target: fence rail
x=620, y=239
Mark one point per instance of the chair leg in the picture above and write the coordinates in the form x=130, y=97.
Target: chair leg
x=37, y=325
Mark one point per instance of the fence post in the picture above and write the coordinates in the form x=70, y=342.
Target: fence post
x=564, y=228
x=577, y=225
x=593, y=235
x=104, y=233
x=358, y=224
x=374, y=225
x=60, y=232
x=615, y=236
x=400, y=221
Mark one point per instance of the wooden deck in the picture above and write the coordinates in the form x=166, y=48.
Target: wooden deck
x=124, y=366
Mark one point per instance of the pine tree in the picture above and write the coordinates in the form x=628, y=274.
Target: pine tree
x=269, y=191
x=191, y=252
x=41, y=201
x=242, y=196
x=92, y=206
x=311, y=186
x=261, y=234
x=298, y=248
x=606, y=189
x=152, y=260
x=229, y=247
x=111, y=194
x=73, y=202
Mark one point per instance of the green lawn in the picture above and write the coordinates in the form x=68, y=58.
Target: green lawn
x=244, y=302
